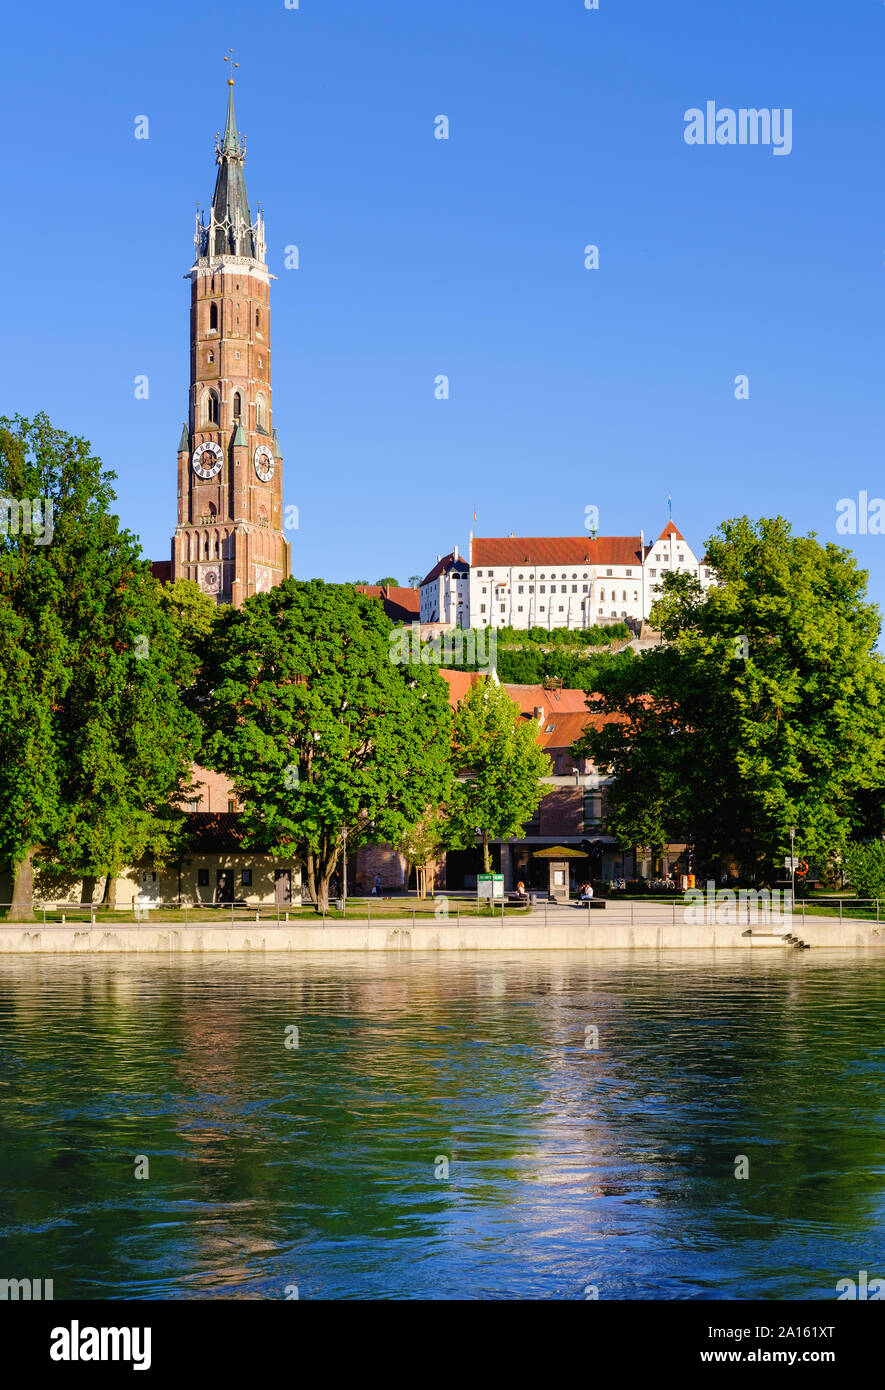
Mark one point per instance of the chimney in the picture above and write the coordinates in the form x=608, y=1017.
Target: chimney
x=455, y=552
x=470, y=550
x=539, y=714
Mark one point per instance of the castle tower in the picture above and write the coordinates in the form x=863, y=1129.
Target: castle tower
x=229, y=537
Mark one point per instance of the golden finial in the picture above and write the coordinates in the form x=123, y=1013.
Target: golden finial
x=230, y=59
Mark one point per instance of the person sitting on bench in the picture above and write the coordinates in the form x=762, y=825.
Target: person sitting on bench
x=586, y=895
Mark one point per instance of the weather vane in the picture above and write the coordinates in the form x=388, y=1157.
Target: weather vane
x=230, y=59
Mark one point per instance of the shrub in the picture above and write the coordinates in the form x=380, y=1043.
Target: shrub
x=865, y=866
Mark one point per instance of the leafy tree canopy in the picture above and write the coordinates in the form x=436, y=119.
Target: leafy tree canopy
x=323, y=735
x=95, y=742
x=766, y=710
x=498, y=763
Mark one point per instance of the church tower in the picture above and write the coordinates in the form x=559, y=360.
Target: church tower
x=229, y=537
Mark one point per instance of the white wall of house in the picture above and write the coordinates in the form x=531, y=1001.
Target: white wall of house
x=562, y=594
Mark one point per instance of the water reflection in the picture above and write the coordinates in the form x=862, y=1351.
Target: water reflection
x=567, y=1164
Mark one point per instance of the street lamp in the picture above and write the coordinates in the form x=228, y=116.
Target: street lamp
x=792, y=864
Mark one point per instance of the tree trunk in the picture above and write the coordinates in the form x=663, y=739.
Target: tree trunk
x=310, y=862
x=485, y=852
x=22, y=908
x=322, y=887
x=109, y=896
x=87, y=888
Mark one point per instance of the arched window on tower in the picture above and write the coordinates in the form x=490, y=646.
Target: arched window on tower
x=211, y=407
x=213, y=318
x=238, y=405
x=257, y=318
x=260, y=414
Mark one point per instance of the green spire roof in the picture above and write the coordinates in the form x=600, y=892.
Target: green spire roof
x=277, y=452
x=240, y=440
x=231, y=143
x=232, y=221
x=184, y=442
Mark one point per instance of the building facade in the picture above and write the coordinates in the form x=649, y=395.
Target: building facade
x=230, y=536
x=557, y=581
x=445, y=592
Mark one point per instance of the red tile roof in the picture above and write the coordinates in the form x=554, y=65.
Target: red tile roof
x=531, y=697
x=401, y=605
x=566, y=710
x=556, y=550
x=568, y=728
x=670, y=530
x=459, y=682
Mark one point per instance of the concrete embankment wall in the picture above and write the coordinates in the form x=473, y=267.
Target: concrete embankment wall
x=395, y=935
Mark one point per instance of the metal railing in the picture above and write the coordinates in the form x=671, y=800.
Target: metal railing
x=447, y=907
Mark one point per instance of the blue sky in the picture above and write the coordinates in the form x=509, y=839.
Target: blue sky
x=569, y=387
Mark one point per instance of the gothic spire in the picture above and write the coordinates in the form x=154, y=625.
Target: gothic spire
x=231, y=227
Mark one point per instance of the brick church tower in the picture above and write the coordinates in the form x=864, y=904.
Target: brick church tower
x=229, y=537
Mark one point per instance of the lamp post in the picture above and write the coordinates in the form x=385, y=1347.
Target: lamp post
x=344, y=872
x=792, y=864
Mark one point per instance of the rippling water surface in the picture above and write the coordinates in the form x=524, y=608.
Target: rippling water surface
x=322, y=1166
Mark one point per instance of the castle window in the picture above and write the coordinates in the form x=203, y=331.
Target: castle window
x=211, y=357
x=213, y=318
x=238, y=405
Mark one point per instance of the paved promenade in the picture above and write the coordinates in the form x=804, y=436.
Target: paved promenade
x=620, y=926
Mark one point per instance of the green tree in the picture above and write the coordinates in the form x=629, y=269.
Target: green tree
x=865, y=866
x=766, y=709
x=95, y=741
x=422, y=842
x=388, y=580
x=498, y=764
x=320, y=731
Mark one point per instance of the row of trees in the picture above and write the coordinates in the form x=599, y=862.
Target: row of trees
x=112, y=688
x=764, y=710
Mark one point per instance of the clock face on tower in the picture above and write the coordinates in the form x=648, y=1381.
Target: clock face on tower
x=207, y=460
x=263, y=461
